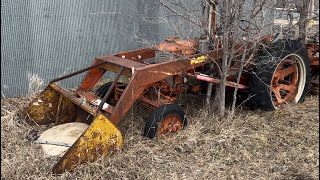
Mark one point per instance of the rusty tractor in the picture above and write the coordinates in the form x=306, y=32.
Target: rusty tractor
x=279, y=73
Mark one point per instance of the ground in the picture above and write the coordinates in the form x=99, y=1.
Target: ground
x=282, y=144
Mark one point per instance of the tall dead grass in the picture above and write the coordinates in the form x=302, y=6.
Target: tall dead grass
x=282, y=144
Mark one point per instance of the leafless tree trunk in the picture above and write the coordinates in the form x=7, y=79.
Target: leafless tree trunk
x=302, y=7
x=235, y=92
x=224, y=64
x=310, y=12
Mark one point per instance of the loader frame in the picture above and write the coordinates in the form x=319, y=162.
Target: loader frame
x=141, y=76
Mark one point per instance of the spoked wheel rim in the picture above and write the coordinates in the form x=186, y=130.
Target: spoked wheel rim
x=170, y=124
x=288, y=81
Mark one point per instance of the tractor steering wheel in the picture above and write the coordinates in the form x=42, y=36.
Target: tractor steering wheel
x=248, y=27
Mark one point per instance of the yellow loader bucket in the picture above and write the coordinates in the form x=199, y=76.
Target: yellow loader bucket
x=100, y=139
x=44, y=108
x=56, y=105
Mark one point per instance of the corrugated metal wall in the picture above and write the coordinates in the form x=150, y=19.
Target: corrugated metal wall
x=51, y=38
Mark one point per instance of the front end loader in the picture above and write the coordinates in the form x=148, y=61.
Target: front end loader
x=156, y=77
x=143, y=69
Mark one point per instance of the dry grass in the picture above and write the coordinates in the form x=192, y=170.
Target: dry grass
x=255, y=145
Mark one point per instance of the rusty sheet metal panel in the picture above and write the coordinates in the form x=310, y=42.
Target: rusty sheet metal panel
x=15, y=47
x=53, y=38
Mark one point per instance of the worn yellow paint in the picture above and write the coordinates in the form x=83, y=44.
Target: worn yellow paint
x=198, y=59
x=99, y=139
x=43, y=108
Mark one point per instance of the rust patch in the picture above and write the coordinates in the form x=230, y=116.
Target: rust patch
x=170, y=124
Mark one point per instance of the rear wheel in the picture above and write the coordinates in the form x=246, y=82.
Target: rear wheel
x=168, y=118
x=282, y=75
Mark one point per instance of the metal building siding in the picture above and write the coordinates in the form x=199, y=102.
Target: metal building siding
x=52, y=38
x=15, y=49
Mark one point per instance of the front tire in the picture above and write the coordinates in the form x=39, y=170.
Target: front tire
x=102, y=90
x=168, y=118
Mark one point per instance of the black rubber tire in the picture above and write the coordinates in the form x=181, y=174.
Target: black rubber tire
x=159, y=114
x=267, y=62
x=102, y=90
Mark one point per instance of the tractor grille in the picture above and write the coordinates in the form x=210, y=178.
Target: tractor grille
x=163, y=56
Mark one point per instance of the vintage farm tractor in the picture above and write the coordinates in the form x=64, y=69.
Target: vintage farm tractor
x=277, y=74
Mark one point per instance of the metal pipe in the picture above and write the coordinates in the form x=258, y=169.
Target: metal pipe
x=204, y=47
x=106, y=96
x=77, y=72
x=52, y=143
x=203, y=77
x=83, y=105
